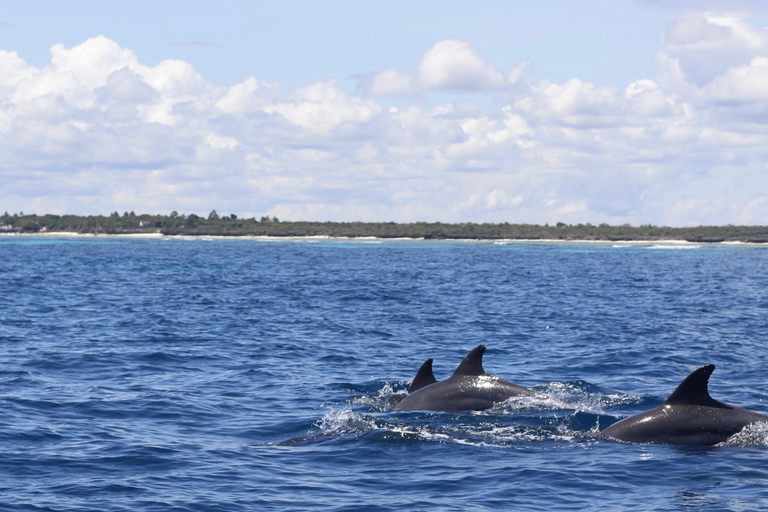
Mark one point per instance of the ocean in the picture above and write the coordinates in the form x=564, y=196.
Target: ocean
x=244, y=374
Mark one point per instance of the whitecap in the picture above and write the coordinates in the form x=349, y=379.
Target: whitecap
x=673, y=247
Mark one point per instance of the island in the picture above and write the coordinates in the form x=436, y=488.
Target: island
x=176, y=224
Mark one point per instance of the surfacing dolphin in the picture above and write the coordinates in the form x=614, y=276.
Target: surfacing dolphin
x=689, y=416
x=468, y=389
x=424, y=377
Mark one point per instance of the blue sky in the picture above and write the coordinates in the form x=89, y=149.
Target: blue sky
x=595, y=111
x=302, y=41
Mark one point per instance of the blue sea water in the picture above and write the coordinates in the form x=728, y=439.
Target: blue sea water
x=228, y=375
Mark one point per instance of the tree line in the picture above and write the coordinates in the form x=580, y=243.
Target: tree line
x=230, y=225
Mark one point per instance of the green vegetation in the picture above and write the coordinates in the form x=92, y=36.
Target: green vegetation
x=231, y=225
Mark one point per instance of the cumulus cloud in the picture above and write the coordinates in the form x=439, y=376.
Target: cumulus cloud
x=448, y=65
x=389, y=82
x=454, y=64
x=321, y=107
x=93, y=61
x=702, y=46
x=13, y=70
x=743, y=84
x=96, y=130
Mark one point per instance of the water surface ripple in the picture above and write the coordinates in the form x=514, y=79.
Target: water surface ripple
x=217, y=375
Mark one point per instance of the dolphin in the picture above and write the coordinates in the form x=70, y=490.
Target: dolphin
x=689, y=416
x=424, y=377
x=468, y=389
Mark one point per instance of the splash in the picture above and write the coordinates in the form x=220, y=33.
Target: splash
x=579, y=397
x=559, y=412
x=754, y=435
x=341, y=423
x=467, y=428
x=385, y=399
x=344, y=422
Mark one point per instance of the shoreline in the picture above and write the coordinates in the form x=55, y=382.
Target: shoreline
x=500, y=241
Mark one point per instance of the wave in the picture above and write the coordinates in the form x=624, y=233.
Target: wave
x=674, y=247
x=465, y=428
x=559, y=412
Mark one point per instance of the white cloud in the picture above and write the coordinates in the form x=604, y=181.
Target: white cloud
x=448, y=65
x=322, y=106
x=517, y=73
x=216, y=141
x=576, y=102
x=582, y=104
x=124, y=86
x=703, y=46
x=13, y=70
x=390, y=82
x=755, y=212
x=454, y=64
x=92, y=61
x=744, y=84
x=645, y=98
x=97, y=131
x=246, y=97
x=499, y=199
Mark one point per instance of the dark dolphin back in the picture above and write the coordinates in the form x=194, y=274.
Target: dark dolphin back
x=468, y=389
x=686, y=417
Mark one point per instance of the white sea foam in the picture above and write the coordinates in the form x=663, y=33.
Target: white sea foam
x=531, y=403
x=345, y=421
x=383, y=400
x=751, y=436
x=471, y=430
x=551, y=410
x=683, y=247
x=566, y=395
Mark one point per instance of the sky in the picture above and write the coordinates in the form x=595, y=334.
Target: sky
x=616, y=111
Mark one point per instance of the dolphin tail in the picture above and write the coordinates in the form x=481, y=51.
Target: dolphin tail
x=424, y=377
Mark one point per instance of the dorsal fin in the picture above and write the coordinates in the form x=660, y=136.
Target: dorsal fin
x=694, y=389
x=424, y=377
x=473, y=363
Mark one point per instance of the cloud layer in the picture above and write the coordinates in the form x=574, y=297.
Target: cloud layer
x=97, y=131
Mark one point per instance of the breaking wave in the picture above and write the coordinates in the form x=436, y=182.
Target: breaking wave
x=680, y=247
